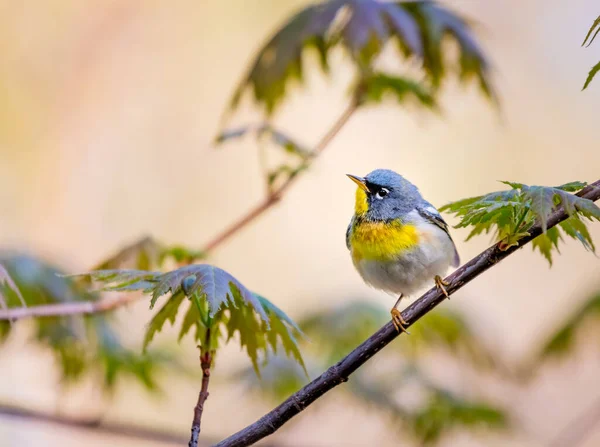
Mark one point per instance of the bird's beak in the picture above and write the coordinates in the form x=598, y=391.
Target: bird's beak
x=359, y=181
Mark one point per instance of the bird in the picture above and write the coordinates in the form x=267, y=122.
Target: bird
x=398, y=241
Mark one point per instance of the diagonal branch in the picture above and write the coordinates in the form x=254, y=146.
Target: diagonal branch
x=63, y=309
x=275, y=196
x=340, y=372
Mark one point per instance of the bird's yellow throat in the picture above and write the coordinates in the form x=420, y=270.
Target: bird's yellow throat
x=379, y=241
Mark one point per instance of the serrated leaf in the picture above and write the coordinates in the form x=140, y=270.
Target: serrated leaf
x=547, y=242
x=284, y=330
x=595, y=26
x=591, y=75
x=542, y=202
x=512, y=213
x=572, y=186
x=168, y=312
x=378, y=85
x=513, y=185
x=575, y=228
x=362, y=28
x=218, y=299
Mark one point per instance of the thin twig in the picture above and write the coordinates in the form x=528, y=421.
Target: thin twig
x=275, y=196
x=340, y=372
x=205, y=363
x=72, y=308
x=578, y=430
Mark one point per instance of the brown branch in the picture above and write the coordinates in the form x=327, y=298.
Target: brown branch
x=340, y=372
x=205, y=364
x=95, y=425
x=72, y=308
x=276, y=195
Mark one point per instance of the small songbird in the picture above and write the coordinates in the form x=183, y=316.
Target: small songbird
x=398, y=240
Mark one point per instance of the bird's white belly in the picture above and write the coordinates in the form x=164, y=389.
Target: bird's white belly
x=413, y=270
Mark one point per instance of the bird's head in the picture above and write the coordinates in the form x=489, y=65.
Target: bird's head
x=384, y=195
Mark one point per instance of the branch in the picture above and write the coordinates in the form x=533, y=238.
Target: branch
x=205, y=363
x=276, y=195
x=63, y=309
x=130, y=431
x=340, y=372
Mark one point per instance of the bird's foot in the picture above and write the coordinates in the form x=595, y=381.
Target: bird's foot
x=399, y=322
x=441, y=285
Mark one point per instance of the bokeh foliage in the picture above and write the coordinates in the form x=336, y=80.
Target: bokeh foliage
x=511, y=214
x=84, y=346
x=333, y=333
x=363, y=28
x=564, y=339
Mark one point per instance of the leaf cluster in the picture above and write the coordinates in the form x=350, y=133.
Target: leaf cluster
x=511, y=214
x=589, y=38
x=219, y=307
x=363, y=28
x=82, y=345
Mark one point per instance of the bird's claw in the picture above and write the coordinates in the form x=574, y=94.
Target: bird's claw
x=441, y=285
x=399, y=322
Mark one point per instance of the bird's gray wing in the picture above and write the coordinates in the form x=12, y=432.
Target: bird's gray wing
x=428, y=211
x=348, y=233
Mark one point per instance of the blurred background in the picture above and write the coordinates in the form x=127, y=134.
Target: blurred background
x=108, y=115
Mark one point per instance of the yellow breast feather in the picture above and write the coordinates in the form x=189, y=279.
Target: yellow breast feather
x=361, y=206
x=381, y=241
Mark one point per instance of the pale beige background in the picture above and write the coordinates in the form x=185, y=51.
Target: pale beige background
x=107, y=113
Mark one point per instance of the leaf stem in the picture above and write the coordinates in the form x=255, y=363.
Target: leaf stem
x=205, y=364
x=274, y=196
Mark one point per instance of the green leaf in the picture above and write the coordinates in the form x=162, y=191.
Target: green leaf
x=572, y=186
x=83, y=346
x=446, y=411
x=220, y=303
x=168, y=312
x=283, y=330
x=402, y=89
x=546, y=242
x=575, y=228
x=8, y=286
x=541, y=201
x=591, y=75
x=595, y=26
x=512, y=213
x=212, y=283
x=420, y=29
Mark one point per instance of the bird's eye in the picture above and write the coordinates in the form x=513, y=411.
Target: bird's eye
x=382, y=193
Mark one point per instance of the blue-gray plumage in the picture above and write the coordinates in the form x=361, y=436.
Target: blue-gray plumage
x=398, y=241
